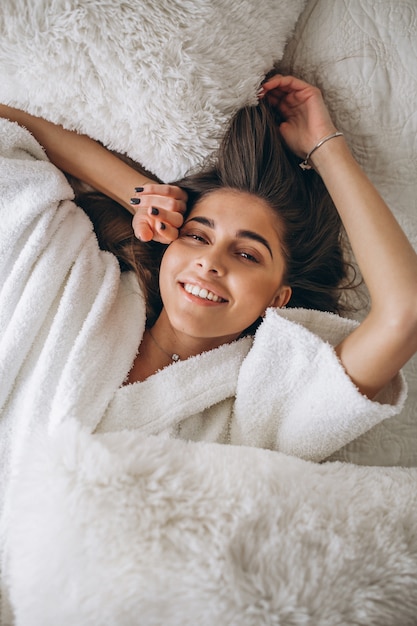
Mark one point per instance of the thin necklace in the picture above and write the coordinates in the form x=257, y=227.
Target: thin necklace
x=174, y=357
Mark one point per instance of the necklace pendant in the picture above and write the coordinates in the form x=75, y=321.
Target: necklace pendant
x=175, y=357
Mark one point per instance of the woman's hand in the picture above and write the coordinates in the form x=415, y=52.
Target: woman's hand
x=306, y=118
x=159, y=212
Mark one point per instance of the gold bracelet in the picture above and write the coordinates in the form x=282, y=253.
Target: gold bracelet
x=305, y=164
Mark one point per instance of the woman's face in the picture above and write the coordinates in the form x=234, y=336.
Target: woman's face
x=225, y=268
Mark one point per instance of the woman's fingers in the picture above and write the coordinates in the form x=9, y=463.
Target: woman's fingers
x=161, y=190
x=172, y=218
x=165, y=233
x=305, y=118
x=159, y=212
x=168, y=201
x=142, y=229
x=163, y=203
x=284, y=83
x=157, y=224
x=288, y=92
x=148, y=228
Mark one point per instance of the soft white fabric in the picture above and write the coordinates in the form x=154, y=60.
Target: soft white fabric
x=363, y=57
x=59, y=296
x=157, y=80
x=287, y=392
x=70, y=328
x=121, y=529
x=343, y=547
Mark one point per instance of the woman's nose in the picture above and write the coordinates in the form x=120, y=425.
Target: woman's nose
x=212, y=261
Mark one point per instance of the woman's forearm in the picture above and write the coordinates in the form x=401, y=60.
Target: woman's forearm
x=382, y=250
x=82, y=157
x=387, y=262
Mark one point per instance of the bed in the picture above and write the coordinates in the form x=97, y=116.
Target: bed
x=125, y=529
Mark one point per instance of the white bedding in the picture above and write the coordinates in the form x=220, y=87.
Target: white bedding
x=125, y=530
x=155, y=79
x=226, y=535
x=144, y=80
x=59, y=376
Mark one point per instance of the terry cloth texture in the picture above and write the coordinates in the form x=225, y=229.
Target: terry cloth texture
x=70, y=327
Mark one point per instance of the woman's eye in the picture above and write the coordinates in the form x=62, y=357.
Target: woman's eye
x=195, y=237
x=248, y=256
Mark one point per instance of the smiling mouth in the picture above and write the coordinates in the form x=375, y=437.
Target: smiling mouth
x=202, y=293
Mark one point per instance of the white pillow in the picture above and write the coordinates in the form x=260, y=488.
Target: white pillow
x=156, y=80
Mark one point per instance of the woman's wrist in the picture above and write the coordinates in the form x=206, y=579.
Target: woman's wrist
x=7, y=112
x=125, y=197
x=120, y=180
x=306, y=163
x=330, y=154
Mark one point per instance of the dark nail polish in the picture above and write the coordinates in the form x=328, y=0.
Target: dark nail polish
x=138, y=189
x=134, y=200
x=154, y=211
x=162, y=226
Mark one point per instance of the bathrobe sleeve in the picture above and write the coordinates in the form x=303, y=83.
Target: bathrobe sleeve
x=293, y=394
x=66, y=317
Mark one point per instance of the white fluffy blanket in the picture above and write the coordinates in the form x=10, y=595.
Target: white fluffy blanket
x=121, y=529
x=198, y=533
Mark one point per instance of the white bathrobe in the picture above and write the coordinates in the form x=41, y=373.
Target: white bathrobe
x=71, y=325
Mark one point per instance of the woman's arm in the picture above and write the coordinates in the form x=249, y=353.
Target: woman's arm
x=89, y=161
x=373, y=354
x=387, y=337
x=82, y=157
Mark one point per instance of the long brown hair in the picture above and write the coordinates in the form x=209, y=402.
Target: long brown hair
x=252, y=158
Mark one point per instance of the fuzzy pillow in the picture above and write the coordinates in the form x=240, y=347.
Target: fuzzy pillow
x=155, y=80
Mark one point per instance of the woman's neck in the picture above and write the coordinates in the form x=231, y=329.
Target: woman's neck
x=170, y=340
x=148, y=361
x=162, y=345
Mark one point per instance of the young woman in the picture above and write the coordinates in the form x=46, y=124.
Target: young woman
x=247, y=237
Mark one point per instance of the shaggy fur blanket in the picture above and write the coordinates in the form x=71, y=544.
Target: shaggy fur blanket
x=122, y=529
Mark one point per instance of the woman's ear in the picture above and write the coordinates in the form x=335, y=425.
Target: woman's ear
x=282, y=297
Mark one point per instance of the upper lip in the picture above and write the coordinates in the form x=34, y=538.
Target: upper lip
x=201, y=285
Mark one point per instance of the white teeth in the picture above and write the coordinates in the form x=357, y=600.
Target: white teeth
x=201, y=293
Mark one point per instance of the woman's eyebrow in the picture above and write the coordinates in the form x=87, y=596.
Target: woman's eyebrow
x=250, y=234
x=240, y=234
x=202, y=220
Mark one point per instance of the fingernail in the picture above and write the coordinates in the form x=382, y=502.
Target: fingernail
x=138, y=189
x=162, y=226
x=134, y=200
x=154, y=211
